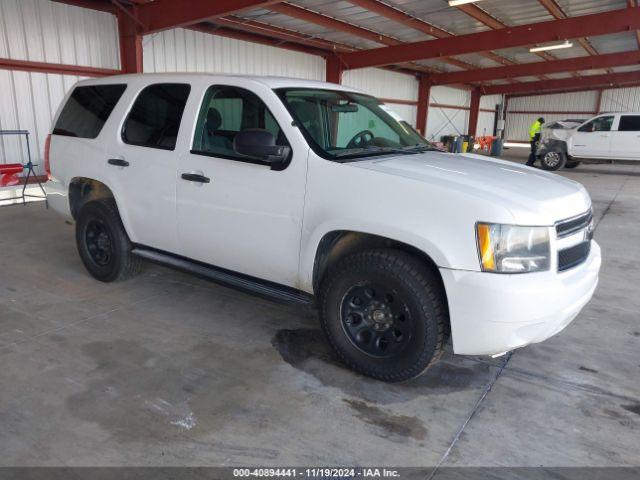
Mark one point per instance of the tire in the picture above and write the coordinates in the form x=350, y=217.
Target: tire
x=553, y=160
x=354, y=297
x=103, y=244
x=571, y=164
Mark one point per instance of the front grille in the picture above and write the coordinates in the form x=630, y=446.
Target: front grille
x=572, y=256
x=572, y=225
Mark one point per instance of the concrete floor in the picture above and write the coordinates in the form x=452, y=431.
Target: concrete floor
x=167, y=369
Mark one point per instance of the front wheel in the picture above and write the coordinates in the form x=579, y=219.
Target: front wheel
x=103, y=244
x=384, y=312
x=553, y=160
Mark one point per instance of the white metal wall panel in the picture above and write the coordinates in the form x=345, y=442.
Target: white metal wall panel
x=490, y=101
x=518, y=124
x=382, y=83
x=559, y=102
x=621, y=100
x=46, y=31
x=486, y=122
x=448, y=121
x=181, y=50
x=29, y=102
x=385, y=84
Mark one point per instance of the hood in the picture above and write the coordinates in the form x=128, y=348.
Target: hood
x=532, y=196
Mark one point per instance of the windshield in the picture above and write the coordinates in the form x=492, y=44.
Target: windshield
x=346, y=126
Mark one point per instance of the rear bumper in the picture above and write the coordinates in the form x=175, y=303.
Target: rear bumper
x=58, y=197
x=493, y=313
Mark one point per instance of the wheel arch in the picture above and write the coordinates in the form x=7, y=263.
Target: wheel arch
x=337, y=244
x=83, y=190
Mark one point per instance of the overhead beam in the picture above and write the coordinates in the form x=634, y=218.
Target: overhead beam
x=326, y=21
x=58, y=68
x=403, y=18
x=538, y=68
x=256, y=38
x=608, y=81
x=483, y=17
x=614, y=21
x=90, y=4
x=164, y=14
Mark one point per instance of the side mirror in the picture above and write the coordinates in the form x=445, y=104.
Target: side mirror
x=261, y=144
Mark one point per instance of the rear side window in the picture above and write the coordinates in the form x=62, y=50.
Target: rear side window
x=629, y=123
x=154, y=119
x=87, y=110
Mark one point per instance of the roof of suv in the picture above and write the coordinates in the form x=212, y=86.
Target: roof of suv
x=270, y=81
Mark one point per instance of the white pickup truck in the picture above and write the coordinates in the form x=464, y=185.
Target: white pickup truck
x=317, y=193
x=607, y=137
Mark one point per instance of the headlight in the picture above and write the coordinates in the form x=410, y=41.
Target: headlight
x=512, y=248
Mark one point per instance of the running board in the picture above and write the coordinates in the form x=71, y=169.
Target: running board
x=236, y=280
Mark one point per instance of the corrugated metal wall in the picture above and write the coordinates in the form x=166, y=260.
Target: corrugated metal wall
x=448, y=121
x=621, y=100
x=578, y=104
x=45, y=31
x=385, y=84
x=486, y=120
x=180, y=50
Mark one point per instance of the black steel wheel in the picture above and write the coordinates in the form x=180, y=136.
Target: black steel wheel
x=98, y=241
x=376, y=319
x=384, y=313
x=103, y=244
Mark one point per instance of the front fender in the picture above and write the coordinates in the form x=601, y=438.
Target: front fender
x=312, y=243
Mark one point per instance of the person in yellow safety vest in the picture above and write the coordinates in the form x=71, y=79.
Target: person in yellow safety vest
x=534, y=138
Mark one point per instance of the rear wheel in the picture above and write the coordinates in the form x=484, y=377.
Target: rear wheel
x=571, y=164
x=553, y=160
x=103, y=244
x=384, y=313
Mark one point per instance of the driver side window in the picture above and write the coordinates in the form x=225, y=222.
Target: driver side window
x=600, y=124
x=225, y=112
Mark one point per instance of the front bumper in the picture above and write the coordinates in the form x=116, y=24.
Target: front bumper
x=494, y=313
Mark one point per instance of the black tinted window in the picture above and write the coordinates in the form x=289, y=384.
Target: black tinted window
x=600, y=124
x=87, y=110
x=155, y=117
x=226, y=111
x=629, y=123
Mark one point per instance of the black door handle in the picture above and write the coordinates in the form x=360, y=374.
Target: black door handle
x=118, y=162
x=194, y=177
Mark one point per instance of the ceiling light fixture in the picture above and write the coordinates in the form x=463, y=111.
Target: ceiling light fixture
x=558, y=46
x=455, y=3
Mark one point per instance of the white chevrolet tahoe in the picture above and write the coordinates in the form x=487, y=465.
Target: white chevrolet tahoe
x=607, y=137
x=316, y=193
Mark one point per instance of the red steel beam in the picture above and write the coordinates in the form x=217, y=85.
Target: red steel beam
x=59, y=68
x=424, y=94
x=614, y=21
x=130, y=43
x=538, y=68
x=282, y=34
x=609, y=81
x=310, y=16
x=483, y=17
x=474, y=112
x=333, y=69
x=91, y=4
x=165, y=14
x=570, y=90
x=407, y=20
x=255, y=38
